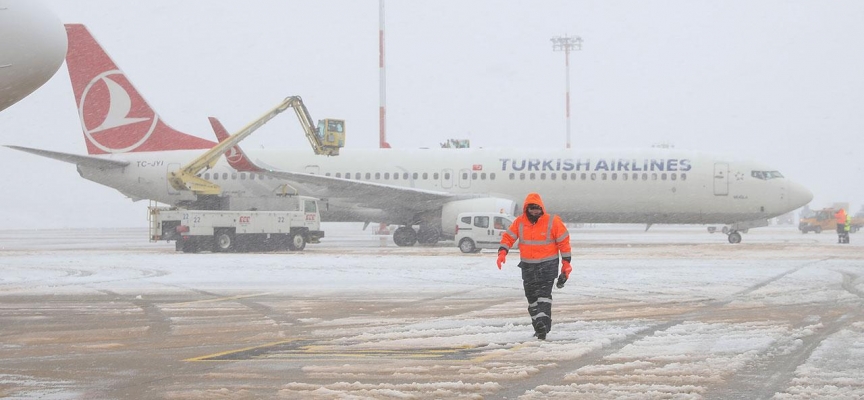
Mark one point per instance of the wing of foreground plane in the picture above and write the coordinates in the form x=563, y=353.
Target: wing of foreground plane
x=88, y=161
x=370, y=194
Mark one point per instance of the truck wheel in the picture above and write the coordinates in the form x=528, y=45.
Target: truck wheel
x=224, y=241
x=297, y=243
x=467, y=245
x=818, y=229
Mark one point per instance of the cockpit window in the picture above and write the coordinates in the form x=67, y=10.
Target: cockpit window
x=766, y=175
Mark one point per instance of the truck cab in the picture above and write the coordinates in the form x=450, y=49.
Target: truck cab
x=481, y=230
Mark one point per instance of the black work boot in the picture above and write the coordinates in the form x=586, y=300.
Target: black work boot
x=540, y=331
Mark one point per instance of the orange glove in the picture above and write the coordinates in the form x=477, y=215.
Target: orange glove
x=502, y=255
x=566, y=268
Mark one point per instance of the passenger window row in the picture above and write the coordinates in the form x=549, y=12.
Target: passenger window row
x=405, y=176
x=234, y=175
x=573, y=176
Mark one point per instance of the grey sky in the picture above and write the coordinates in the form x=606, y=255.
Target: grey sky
x=775, y=81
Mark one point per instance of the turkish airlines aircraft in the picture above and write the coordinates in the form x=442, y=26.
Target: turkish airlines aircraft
x=131, y=149
x=32, y=46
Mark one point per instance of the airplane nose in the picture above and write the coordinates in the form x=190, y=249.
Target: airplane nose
x=798, y=195
x=36, y=51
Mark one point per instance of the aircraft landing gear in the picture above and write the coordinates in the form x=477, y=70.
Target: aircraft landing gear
x=428, y=235
x=734, y=237
x=404, y=236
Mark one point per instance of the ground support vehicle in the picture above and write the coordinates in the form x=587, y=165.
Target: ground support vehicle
x=481, y=230
x=824, y=220
x=238, y=231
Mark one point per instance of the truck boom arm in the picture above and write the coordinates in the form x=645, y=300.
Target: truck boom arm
x=187, y=178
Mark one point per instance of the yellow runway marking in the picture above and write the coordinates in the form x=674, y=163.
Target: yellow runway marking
x=246, y=296
x=277, y=350
x=224, y=353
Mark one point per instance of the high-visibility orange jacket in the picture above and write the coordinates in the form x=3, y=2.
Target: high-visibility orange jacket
x=840, y=216
x=540, y=241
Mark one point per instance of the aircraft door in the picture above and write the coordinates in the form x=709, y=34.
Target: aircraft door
x=721, y=179
x=446, y=178
x=313, y=169
x=171, y=168
x=464, y=178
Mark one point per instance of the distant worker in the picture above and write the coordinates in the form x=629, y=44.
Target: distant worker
x=541, y=238
x=846, y=228
x=840, y=217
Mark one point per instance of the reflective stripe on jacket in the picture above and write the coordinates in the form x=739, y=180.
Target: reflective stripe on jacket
x=540, y=241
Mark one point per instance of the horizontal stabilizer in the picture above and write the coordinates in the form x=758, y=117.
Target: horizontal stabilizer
x=87, y=161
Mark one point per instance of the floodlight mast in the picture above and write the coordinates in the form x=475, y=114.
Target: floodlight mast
x=566, y=44
x=382, y=82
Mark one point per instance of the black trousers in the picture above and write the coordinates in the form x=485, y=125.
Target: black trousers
x=537, y=279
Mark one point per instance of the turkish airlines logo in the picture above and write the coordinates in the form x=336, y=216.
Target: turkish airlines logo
x=233, y=155
x=114, y=121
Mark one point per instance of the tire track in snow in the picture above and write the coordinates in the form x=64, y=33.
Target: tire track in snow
x=761, y=380
x=555, y=376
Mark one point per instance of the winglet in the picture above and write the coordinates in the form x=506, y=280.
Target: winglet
x=236, y=157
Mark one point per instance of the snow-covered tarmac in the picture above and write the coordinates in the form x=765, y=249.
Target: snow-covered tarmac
x=669, y=313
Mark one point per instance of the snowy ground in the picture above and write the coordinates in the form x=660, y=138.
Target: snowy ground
x=672, y=313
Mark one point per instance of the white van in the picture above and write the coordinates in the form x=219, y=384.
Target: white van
x=481, y=230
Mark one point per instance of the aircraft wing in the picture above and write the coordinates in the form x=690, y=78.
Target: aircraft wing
x=87, y=161
x=369, y=194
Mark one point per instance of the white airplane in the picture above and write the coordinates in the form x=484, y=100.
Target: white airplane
x=32, y=47
x=132, y=150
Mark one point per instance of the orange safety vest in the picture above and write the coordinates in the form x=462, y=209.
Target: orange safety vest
x=540, y=241
x=840, y=216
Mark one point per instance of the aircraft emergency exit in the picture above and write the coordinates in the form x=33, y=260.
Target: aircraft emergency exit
x=132, y=150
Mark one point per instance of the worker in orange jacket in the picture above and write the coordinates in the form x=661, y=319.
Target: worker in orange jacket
x=542, y=237
x=840, y=217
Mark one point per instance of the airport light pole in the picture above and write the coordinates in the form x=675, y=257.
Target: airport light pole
x=566, y=44
x=382, y=82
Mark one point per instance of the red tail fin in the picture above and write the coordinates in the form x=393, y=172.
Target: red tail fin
x=236, y=158
x=114, y=116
